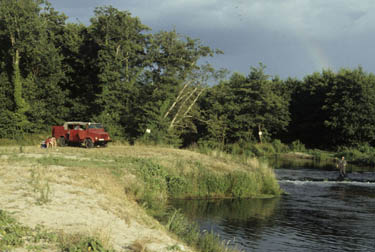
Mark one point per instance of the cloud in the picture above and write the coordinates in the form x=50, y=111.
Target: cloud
x=292, y=37
x=315, y=18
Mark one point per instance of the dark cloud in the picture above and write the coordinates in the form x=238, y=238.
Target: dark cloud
x=292, y=38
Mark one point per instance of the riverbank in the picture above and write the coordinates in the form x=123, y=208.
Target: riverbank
x=109, y=195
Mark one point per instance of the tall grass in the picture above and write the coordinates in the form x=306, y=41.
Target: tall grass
x=160, y=183
x=25, y=140
x=178, y=224
x=361, y=155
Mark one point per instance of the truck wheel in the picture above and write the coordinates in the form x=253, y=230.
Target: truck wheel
x=61, y=141
x=88, y=143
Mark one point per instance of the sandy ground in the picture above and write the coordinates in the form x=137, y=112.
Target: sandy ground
x=76, y=207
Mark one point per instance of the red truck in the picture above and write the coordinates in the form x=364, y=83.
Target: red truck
x=77, y=133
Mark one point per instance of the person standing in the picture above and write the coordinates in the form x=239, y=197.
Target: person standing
x=342, y=166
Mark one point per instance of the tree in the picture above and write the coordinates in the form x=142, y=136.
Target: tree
x=121, y=58
x=33, y=63
x=176, y=83
x=218, y=109
x=306, y=108
x=17, y=22
x=350, y=108
x=238, y=108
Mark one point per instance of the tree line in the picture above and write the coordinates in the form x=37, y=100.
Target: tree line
x=118, y=72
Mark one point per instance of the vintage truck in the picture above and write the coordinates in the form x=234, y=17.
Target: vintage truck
x=88, y=134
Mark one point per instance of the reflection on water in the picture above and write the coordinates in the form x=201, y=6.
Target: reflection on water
x=313, y=216
x=231, y=218
x=244, y=209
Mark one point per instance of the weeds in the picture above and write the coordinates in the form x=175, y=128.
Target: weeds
x=39, y=181
x=190, y=233
x=80, y=242
x=13, y=235
x=139, y=246
x=160, y=183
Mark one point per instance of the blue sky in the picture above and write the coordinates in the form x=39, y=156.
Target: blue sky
x=293, y=38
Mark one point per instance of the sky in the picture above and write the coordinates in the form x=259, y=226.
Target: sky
x=292, y=38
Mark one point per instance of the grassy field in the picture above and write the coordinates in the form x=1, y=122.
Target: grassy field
x=130, y=183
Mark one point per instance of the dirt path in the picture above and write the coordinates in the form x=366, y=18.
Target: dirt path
x=74, y=207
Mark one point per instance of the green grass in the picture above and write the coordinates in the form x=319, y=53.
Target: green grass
x=178, y=224
x=160, y=182
x=14, y=235
x=25, y=140
x=80, y=243
x=362, y=156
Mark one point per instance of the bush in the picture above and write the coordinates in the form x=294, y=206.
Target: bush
x=177, y=186
x=244, y=185
x=154, y=183
x=297, y=146
x=279, y=147
x=362, y=155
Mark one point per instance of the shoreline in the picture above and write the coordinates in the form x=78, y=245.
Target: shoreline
x=94, y=192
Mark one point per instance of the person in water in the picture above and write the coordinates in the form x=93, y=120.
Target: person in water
x=342, y=166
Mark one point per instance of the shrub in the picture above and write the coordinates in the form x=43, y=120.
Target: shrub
x=279, y=147
x=297, y=146
x=80, y=242
x=177, y=186
x=244, y=185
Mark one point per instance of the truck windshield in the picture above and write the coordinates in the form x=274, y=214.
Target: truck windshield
x=95, y=126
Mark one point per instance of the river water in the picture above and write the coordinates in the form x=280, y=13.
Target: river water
x=318, y=213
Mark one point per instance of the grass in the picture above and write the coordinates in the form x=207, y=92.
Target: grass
x=40, y=182
x=25, y=140
x=14, y=235
x=80, y=242
x=363, y=155
x=159, y=173
x=139, y=245
x=148, y=175
x=203, y=241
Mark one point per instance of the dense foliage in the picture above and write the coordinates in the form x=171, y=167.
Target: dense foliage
x=116, y=71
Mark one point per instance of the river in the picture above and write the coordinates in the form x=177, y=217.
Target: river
x=317, y=213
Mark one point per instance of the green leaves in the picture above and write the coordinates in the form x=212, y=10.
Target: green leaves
x=235, y=110
x=350, y=106
x=332, y=109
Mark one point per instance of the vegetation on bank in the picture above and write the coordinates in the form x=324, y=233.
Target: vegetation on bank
x=151, y=176
x=362, y=155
